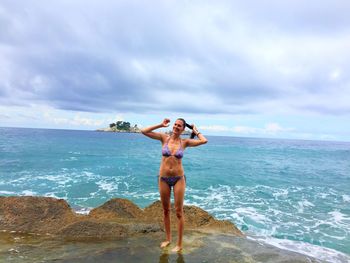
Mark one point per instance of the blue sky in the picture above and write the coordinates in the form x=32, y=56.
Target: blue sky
x=276, y=69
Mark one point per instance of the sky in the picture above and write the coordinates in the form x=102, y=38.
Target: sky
x=275, y=69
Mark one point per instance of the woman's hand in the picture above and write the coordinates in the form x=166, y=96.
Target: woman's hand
x=149, y=131
x=195, y=130
x=166, y=122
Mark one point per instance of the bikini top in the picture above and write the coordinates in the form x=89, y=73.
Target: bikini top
x=166, y=151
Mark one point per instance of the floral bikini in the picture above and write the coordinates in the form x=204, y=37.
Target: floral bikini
x=172, y=180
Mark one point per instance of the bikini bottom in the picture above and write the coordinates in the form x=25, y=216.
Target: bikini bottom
x=172, y=180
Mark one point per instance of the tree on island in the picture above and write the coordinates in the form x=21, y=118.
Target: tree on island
x=123, y=126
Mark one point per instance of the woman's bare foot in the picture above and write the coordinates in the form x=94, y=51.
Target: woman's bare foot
x=164, y=244
x=177, y=249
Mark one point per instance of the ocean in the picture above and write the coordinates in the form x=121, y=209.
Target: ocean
x=291, y=194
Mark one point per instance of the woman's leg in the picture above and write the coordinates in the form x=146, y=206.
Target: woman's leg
x=179, y=193
x=165, y=192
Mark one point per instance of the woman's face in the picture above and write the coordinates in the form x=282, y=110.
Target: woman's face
x=178, y=127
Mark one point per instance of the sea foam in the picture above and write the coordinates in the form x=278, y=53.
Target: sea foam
x=318, y=252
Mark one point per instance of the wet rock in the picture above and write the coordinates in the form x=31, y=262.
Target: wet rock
x=144, y=228
x=195, y=218
x=115, y=219
x=91, y=229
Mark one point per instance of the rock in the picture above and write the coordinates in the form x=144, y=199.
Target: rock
x=145, y=228
x=116, y=208
x=90, y=229
x=105, y=130
x=117, y=218
x=195, y=219
x=35, y=214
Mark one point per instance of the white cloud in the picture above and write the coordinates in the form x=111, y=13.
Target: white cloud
x=244, y=130
x=75, y=120
x=175, y=57
x=274, y=128
x=118, y=117
x=214, y=128
x=335, y=74
x=269, y=129
x=78, y=121
x=233, y=57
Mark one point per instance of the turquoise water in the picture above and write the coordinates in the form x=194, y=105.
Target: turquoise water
x=291, y=194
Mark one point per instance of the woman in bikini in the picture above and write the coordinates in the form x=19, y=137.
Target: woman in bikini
x=171, y=172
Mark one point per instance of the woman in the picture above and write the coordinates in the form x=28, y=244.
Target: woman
x=171, y=172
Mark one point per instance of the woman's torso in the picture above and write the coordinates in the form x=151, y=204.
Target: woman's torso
x=172, y=152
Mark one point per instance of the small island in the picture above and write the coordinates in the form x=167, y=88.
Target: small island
x=124, y=126
x=121, y=126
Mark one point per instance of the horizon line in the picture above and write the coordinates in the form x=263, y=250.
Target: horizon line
x=234, y=136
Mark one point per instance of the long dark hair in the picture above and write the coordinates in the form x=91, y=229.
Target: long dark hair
x=188, y=126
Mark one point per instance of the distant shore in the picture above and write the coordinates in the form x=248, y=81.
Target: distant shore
x=126, y=127
x=121, y=126
x=116, y=130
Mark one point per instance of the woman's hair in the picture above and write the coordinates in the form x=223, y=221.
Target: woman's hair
x=188, y=126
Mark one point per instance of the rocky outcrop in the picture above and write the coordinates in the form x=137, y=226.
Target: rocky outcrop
x=117, y=218
x=116, y=208
x=195, y=217
x=35, y=214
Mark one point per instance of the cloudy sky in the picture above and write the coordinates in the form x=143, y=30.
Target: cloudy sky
x=243, y=68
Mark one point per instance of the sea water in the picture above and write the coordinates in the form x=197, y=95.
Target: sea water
x=292, y=194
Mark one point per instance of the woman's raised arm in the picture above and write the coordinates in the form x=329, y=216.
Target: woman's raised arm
x=149, y=131
x=201, y=139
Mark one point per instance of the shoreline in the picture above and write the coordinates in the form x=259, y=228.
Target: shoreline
x=135, y=233
x=289, y=246
x=198, y=247
x=116, y=131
